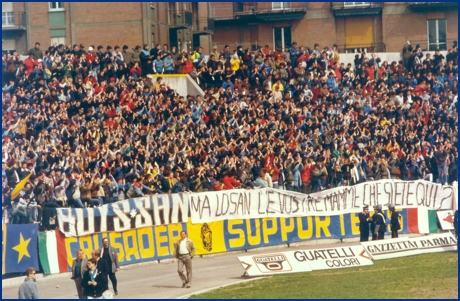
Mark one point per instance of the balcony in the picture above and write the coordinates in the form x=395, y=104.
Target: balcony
x=432, y=6
x=260, y=11
x=349, y=9
x=13, y=20
x=180, y=19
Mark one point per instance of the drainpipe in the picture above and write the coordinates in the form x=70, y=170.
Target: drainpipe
x=73, y=37
x=26, y=7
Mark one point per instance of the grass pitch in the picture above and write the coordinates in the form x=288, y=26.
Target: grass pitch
x=433, y=275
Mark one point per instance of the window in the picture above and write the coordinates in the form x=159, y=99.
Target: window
x=281, y=5
x=437, y=33
x=7, y=19
x=356, y=3
x=282, y=37
x=56, y=5
x=58, y=40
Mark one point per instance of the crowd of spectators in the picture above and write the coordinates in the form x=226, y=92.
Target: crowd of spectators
x=93, y=127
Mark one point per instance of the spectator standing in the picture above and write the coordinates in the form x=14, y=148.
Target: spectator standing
x=28, y=289
x=184, y=251
x=94, y=281
x=110, y=255
x=79, y=268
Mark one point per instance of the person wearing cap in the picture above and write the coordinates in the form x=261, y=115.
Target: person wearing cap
x=378, y=226
x=214, y=52
x=364, y=222
x=395, y=221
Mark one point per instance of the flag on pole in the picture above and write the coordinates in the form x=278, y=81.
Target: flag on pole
x=19, y=187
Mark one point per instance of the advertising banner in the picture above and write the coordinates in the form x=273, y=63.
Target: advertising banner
x=390, y=248
x=399, y=247
x=305, y=260
x=275, y=263
x=436, y=243
x=334, y=258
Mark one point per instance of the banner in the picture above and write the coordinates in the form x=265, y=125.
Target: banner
x=207, y=207
x=305, y=261
x=156, y=242
x=436, y=243
x=154, y=210
x=333, y=258
x=19, y=248
x=261, y=203
x=390, y=248
x=399, y=247
x=276, y=263
x=446, y=219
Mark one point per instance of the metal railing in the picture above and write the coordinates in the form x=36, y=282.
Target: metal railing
x=13, y=20
x=368, y=48
x=442, y=45
x=354, y=5
x=227, y=11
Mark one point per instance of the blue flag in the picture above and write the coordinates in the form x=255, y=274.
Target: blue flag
x=19, y=248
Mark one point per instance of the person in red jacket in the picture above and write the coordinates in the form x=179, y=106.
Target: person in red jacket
x=230, y=182
x=30, y=63
x=305, y=175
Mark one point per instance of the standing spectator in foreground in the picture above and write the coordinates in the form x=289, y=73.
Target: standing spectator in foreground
x=184, y=251
x=110, y=255
x=79, y=268
x=94, y=281
x=28, y=289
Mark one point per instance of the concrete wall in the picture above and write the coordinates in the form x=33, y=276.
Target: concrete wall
x=182, y=83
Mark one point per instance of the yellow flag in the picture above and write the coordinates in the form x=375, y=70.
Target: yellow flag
x=19, y=187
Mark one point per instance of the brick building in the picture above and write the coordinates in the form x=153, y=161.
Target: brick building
x=382, y=26
x=184, y=24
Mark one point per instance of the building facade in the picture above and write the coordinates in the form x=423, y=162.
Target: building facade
x=377, y=26
x=185, y=24
x=380, y=26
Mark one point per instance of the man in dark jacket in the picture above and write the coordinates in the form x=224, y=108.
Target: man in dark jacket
x=364, y=220
x=94, y=282
x=110, y=255
x=101, y=264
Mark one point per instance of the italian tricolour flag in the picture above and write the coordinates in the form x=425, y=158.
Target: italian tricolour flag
x=52, y=252
x=421, y=220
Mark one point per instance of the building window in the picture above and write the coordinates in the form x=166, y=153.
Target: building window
x=58, y=40
x=355, y=3
x=281, y=5
x=437, y=34
x=56, y=5
x=282, y=37
x=7, y=19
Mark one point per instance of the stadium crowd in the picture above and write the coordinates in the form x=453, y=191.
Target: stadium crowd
x=92, y=126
